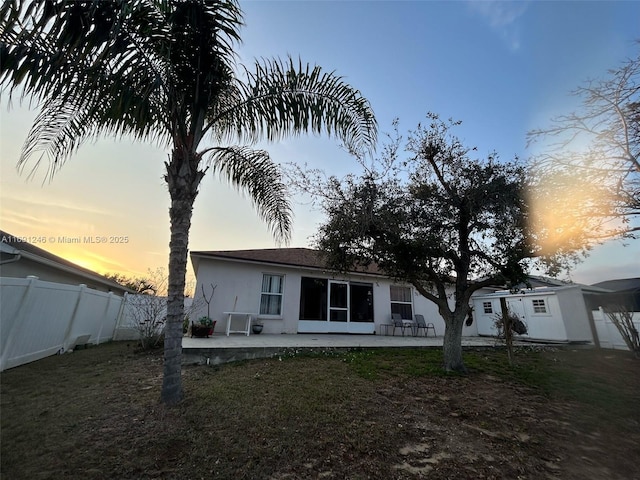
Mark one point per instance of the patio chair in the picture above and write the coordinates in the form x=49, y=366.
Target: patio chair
x=421, y=324
x=398, y=322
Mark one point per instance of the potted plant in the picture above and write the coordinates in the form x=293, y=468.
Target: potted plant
x=205, y=324
x=203, y=328
x=256, y=326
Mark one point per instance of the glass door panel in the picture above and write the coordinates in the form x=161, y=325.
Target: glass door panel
x=338, y=301
x=361, y=302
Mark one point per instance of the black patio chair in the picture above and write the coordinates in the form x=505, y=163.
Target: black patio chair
x=398, y=322
x=421, y=324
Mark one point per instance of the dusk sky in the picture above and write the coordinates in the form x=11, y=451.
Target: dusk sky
x=502, y=68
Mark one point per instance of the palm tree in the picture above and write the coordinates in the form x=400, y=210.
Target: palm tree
x=165, y=71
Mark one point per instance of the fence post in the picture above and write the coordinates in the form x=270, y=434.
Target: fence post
x=592, y=326
x=74, y=314
x=104, y=315
x=19, y=321
x=123, y=304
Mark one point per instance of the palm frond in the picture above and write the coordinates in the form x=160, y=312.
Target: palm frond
x=253, y=171
x=57, y=132
x=172, y=56
x=281, y=99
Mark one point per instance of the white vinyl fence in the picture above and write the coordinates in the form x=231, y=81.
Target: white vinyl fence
x=140, y=309
x=608, y=333
x=38, y=318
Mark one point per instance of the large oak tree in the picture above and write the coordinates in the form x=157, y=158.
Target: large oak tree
x=436, y=219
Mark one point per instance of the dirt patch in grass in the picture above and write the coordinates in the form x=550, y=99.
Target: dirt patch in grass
x=390, y=414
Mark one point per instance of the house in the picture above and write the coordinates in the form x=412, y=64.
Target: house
x=20, y=259
x=289, y=290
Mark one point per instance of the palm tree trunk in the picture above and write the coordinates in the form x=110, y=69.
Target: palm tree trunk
x=182, y=179
x=452, y=346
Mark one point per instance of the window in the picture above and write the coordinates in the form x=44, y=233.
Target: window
x=401, y=301
x=271, y=297
x=335, y=301
x=539, y=306
x=361, y=296
x=338, y=301
x=488, y=308
x=313, y=298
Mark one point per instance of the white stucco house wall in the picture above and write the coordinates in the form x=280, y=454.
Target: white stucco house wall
x=290, y=291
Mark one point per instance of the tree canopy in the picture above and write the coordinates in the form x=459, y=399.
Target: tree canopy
x=439, y=219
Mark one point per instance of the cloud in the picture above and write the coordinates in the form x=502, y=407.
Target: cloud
x=60, y=208
x=503, y=18
x=589, y=276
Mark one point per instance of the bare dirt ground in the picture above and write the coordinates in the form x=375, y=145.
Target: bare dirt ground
x=559, y=414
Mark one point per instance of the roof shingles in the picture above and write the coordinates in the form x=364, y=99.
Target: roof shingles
x=297, y=257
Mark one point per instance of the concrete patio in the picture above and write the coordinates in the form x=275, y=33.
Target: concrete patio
x=222, y=349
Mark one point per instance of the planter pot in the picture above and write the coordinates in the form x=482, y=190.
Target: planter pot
x=202, y=331
x=256, y=329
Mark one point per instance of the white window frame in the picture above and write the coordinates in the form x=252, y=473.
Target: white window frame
x=539, y=306
x=487, y=308
x=400, y=302
x=347, y=309
x=272, y=294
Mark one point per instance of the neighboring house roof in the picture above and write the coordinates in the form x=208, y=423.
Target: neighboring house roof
x=10, y=245
x=622, y=292
x=620, y=285
x=294, y=257
x=537, y=281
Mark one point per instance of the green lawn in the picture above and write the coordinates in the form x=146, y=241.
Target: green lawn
x=382, y=414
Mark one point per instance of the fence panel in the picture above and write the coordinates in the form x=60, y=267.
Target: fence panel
x=40, y=318
x=608, y=333
x=97, y=315
x=128, y=328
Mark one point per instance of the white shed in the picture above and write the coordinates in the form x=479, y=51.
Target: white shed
x=552, y=314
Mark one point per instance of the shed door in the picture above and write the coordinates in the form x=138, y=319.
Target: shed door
x=516, y=305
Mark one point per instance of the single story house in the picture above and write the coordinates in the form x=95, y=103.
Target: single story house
x=20, y=259
x=289, y=290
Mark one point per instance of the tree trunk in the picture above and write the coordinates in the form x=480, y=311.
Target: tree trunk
x=507, y=328
x=182, y=179
x=452, y=346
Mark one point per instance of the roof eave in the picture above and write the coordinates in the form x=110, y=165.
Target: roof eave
x=94, y=278
x=227, y=258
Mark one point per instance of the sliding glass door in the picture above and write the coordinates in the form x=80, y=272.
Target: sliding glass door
x=338, y=301
x=335, y=306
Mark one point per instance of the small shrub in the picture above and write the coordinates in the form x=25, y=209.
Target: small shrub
x=622, y=318
x=507, y=323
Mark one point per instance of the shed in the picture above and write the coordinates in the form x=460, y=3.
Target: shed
x=551, y=314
